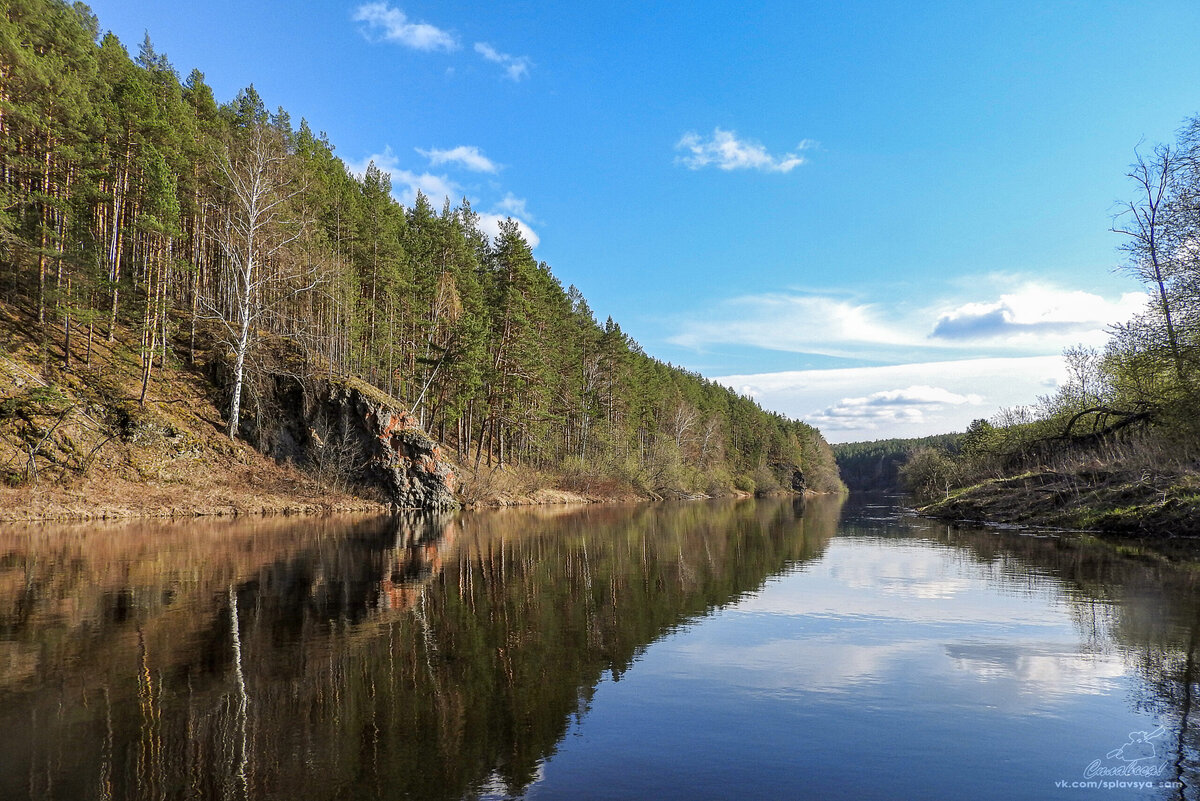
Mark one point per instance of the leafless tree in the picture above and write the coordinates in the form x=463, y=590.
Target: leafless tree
x=336, y=455
x=254, y=236
x=711, y=443
x=680, y=421
x=1146, y=223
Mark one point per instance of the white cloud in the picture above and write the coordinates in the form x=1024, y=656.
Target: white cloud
x=1035, y=312
x=515, y=67
x=438, y=188
x=516, y=206
x=405, y=183
x=909, y=406
x=468, y=156
x=1032, y=319
x=490, y=224
x=918, y=394
x=392, y=25
x=385, y=161
x=902, y=400
x=793, y=322
x=725, y=151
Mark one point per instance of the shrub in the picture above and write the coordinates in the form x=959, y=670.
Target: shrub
x=930, y=474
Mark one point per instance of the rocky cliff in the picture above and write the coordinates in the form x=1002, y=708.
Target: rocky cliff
x=350, y=435
x=406, y=462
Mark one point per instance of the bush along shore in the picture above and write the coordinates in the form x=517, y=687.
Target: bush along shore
x=1098, y=498
x=1128, y=486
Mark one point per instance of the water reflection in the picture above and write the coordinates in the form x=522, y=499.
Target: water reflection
x=1142, y=613
x=418, y=657
x=492, y=654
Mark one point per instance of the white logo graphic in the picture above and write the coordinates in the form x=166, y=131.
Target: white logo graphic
x=1139, y=746
x=1141, y=757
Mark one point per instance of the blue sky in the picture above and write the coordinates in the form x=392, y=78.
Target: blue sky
x=884, y=218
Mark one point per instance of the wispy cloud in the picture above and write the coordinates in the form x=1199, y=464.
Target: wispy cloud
x=725, y=151
x=902, y=400
x=916, y=395
x=1034, y=318
x=516, y=206
x=406, y=183
x=798, y=323
x=1014, y=331
x=911, y=405
x=467, y=156
x=385, y=23
x=439, y=188
x=516, y=68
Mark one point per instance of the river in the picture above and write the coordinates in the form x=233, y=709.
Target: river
x=701, y=650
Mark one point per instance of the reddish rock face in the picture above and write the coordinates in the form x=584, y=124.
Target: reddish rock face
x=409, y=462
x=401, y=458
x=394, y=422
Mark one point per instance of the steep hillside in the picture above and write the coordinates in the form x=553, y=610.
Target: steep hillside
x=77, y=443
x=147, y=226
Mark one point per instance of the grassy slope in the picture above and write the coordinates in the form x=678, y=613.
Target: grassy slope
x=110, y=456
x=1113, y=498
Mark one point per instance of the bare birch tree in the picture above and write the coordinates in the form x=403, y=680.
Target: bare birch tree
x=258, y=227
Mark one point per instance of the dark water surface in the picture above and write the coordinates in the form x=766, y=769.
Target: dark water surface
x=743, y=650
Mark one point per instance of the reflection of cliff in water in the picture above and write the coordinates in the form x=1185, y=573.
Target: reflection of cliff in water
x=412, y=658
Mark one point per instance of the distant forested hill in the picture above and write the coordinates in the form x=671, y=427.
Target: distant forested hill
x=137, y=208
x=875, y=466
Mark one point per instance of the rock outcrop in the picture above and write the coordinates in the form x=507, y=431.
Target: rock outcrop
x=799, y=482
x=790, y=477
x=407, y=461
x=350, y=434
x=401, y=458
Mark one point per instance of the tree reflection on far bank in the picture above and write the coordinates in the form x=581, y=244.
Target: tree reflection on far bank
x=411, y=657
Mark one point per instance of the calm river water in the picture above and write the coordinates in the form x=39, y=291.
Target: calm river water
x=742, y=650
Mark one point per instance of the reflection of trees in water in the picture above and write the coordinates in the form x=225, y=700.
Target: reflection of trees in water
x=437, y=657
x=420, y=658
x=1147, y=609
x=1169, y=673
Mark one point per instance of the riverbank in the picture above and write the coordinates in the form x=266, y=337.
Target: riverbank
x=1105, y=500
x=257, y=487
x=214, y=477
x=293, y=495
x=78, y=443
x=246, y=483
x=288, y=495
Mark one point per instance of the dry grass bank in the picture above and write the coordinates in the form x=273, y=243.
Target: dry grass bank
x=75, y=443
x=1128, y=500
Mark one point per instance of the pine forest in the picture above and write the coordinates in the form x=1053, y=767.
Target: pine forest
x=142, y=212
